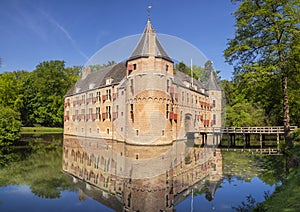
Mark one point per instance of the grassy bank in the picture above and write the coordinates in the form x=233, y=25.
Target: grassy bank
x=41, y=130
x=287, y=196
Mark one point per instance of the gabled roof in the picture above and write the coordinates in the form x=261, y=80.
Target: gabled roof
x=212, y=83
x=145, y=43
x=98, y=78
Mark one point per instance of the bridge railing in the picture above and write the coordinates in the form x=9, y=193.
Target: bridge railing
x=253, y=130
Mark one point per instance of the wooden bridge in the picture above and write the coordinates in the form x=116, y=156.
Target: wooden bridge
x=265, y=151
x=246, y=132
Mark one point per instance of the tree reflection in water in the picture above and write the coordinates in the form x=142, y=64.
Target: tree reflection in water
x=36, y=163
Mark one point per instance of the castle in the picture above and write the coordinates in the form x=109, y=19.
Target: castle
x=142, y=101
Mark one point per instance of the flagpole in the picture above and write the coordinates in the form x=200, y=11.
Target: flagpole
x=192, y=79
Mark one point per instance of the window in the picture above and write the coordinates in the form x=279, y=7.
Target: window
x=82, y=113
x=167, y=111
x=76, y=114
x=181, y=116
x=134, y=66
x=83, y=99
x=182, y=95
x=98, y=113
x=137, y=132
x=131, y=113
x=168, y=82
x=108, y=114
x=108, y=94
x=167, y=67
x=214, y=119
x=98, y=96
x=131, y=86
x=187, y=97
x=91, y=96
x=90, y=113
x=214, y=103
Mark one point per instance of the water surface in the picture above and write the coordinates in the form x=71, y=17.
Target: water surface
x=43, y=176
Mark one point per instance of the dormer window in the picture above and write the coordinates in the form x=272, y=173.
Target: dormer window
x=77, y=90
x=186, y=83
x=91, y=86
x=109, y=81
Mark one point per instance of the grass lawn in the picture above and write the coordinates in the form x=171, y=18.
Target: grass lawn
x=41, y=130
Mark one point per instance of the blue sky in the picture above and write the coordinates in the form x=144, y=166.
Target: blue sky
x=33, y=31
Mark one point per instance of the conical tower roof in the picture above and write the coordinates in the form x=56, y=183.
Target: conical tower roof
x=212, y=83
x=149, y=45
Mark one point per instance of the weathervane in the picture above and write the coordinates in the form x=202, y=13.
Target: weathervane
x=149, y=9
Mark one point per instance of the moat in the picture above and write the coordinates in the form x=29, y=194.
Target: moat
x=52, y=172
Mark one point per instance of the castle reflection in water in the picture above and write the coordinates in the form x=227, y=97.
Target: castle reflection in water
x=141, y=178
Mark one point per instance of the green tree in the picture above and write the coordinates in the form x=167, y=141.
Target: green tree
x=10, y=126
x=244, y=114
x=198, y=71
x=266, y=44
x=43, y=93
x=9, y=89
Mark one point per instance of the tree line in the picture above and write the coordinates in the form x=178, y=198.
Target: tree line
x=34, y=98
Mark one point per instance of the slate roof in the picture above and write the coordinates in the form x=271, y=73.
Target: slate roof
x=212, y=83
x=142, y=48
x=98, y=78
x=180, y=77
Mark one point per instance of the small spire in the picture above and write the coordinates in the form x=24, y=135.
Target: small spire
x=149, y=10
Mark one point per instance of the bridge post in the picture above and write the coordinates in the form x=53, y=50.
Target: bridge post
x=247, y=140
x=278, y=140
x=233, y=139
x=228, y=139
x=260, y=140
